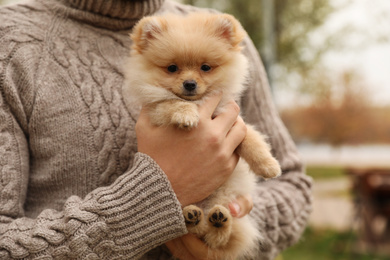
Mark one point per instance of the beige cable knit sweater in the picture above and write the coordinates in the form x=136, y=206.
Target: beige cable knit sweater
x=71, y=183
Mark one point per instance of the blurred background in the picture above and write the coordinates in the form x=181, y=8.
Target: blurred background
x=328, y=63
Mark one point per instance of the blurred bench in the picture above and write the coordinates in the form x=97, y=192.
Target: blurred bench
x=371, y=188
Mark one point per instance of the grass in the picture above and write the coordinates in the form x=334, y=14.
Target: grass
x=327, y=245
x=326, y=172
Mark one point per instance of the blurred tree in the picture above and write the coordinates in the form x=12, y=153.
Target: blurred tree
x=4, y=2
x=341, y=114
x=294, y=20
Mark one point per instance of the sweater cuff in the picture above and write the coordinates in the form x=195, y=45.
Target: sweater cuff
x=141, y=208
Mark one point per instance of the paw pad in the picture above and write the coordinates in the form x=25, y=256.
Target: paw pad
x=192, y=217
x=217, y=219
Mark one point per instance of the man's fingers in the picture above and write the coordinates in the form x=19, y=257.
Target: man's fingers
x=196, y=246
x=189, y=247
x=208, y=107
x=236, y=133
x=241, y=206
x=228, y=117
x=178, y=249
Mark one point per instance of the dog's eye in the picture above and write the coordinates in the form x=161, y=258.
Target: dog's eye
x=205, y=68
x=173, y=68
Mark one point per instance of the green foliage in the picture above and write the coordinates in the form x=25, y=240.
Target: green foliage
x=294, y=20
x=7, y=2
x=326, y=172
x=329, y=245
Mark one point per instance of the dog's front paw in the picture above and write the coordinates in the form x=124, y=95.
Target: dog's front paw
x=186, y=119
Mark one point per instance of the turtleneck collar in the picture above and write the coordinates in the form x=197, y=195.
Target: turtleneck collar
x=110, y=14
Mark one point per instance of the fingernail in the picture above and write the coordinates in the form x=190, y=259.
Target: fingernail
x=235, y=208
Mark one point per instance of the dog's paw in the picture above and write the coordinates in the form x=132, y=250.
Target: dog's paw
x=220, y=227
x=268, y=169
x=192, y=215
x=186, y=119
x=219, y=216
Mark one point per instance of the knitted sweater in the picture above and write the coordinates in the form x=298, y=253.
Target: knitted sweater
x=72, y=185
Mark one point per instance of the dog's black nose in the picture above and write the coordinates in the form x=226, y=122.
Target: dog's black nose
x=189, y=85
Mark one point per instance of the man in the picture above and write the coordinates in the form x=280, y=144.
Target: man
x=74, y=181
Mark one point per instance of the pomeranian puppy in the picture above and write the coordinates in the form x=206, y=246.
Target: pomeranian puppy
x=175, y=63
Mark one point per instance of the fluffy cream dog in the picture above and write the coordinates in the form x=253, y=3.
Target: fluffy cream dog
x=175, y=63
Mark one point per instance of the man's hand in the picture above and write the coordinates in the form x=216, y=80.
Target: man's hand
x=189, y=247
x=198, y=161
x=241, y=206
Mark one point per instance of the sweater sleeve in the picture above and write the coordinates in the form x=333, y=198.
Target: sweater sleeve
x=138, y=212
x=281, y=206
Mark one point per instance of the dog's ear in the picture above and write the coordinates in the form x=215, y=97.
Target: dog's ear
x=229, y=28
x=146, y=30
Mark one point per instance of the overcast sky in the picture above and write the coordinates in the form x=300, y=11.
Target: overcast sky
x=369, y=52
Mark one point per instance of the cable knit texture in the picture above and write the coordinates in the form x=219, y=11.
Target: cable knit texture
x=72, y=185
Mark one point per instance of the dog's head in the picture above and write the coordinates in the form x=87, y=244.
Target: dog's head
x=190, y=55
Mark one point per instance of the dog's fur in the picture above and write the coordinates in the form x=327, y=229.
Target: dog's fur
x=176, y=62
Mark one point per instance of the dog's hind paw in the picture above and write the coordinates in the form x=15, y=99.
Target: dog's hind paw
x=192, y=215
x=220, y=227
x=194, y=219
x=218, y=216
